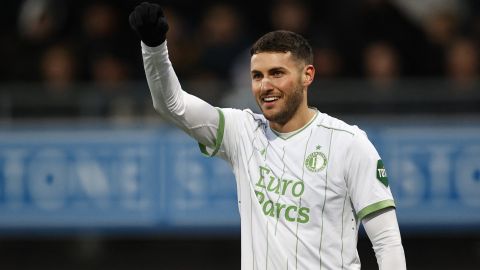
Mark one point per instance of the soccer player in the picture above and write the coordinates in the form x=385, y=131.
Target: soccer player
x=305, y=180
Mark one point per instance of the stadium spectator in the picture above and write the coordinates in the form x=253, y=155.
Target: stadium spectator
x=58, y=68
x=462, y=64
x=381, y=65
x=223, y=26
x=38, y=25
x=180, y=40
x=100, y=36
x=423, y=34
x=327, y=60
x=291, y=15
x=109, y=71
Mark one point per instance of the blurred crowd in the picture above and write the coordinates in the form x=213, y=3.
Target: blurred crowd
x=60, y=43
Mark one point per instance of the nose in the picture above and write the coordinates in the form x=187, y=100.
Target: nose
x=265, y=84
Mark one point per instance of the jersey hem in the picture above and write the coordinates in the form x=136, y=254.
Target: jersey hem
x=374, y=208
x=218, y=139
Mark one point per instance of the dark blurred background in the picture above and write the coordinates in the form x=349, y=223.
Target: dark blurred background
x=73, y=91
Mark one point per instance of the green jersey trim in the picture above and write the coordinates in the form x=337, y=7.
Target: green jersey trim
x=375, y=207
x=219, y=137
x=293, y=133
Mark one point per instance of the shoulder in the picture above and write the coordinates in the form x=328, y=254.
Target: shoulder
x=236, y=116
x=340, y=127
x=351, y=144
x=350, y=138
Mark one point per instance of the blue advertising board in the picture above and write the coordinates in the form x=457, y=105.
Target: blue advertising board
x=435, y=174
x=154, y=178
x=142, y=177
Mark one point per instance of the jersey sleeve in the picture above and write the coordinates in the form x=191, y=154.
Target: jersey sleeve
x=194, y=116
x=211, y=151
x=366, y=178
x=230, y=128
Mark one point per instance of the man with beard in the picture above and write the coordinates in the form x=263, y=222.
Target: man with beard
x=305, y=180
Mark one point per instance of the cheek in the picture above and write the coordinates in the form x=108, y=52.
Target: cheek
x=286, y=84
x=255, y=88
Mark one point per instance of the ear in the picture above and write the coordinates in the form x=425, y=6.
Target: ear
x=308, y=75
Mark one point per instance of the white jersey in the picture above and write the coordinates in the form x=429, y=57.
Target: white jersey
x=301, y=199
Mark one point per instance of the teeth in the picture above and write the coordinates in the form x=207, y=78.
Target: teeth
x=269, y=99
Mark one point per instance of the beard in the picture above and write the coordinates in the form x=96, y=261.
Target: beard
x=292, y=102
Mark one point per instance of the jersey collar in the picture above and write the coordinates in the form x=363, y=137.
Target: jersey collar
x=288, y=135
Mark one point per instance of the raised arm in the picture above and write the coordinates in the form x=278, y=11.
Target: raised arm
x=193, y=115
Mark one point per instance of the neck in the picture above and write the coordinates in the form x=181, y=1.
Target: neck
x=299, y=120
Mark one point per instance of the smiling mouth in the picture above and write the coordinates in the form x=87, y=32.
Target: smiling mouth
x=270, y=99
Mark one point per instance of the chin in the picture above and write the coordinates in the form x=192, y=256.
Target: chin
x=276, y=117
x=269, y=117
x=269, y=114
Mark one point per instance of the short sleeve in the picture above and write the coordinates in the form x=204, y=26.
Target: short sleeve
x=212, y=151
x=231, y=124
x=367, y=178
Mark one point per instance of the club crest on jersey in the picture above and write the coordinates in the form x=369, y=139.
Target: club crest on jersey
x=316, y=161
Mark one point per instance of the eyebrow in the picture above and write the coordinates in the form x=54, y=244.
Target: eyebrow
x=277, y=69
x=270, y=70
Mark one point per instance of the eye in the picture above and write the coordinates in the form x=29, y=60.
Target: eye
x=256, y=76
x=277, y=73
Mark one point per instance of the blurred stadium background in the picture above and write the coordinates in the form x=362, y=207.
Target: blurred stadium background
x=90, y=177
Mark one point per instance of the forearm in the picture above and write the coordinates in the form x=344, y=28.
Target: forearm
x=382, y=229
x=166, y=91
x=193, y=115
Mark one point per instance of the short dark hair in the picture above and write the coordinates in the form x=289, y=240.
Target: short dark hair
x=284, y=41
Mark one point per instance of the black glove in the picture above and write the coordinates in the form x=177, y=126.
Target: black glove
x=150, y=23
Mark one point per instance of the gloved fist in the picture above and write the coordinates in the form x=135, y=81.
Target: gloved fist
x=150, y=23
